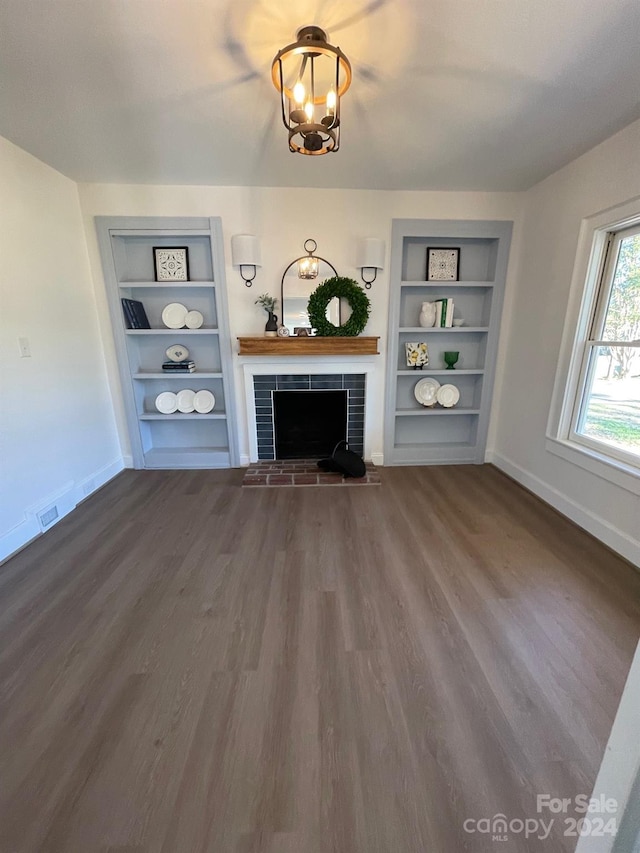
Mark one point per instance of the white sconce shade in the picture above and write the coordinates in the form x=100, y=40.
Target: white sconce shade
x=370, y=257
x=245, y=252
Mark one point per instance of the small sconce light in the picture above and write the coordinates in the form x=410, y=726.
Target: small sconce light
x=245, y=253
x=308, y=266
x=370, y=258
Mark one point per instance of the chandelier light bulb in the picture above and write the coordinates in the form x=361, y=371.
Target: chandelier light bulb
x=331, y=101
x=298, y=93
x=308, y=108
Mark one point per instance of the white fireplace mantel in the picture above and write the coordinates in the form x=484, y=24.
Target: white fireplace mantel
x=296, y=365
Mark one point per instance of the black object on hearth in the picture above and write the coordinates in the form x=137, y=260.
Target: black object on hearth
x=344, y=461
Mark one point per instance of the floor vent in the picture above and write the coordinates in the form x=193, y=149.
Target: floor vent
x=47, y=517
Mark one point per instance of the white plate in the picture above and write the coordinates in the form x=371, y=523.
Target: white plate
x=177, y=353
x=204, y=401
x=174, y=315
x=167, y=403
x=448, y=396
x=185, y=401
x=426, y=391
x=193, y=320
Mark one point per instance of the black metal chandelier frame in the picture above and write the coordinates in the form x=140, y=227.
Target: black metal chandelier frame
x=307, y=136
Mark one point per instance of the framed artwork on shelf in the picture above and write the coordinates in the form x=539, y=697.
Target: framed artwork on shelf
x=171, y=263
x=416, y=354
x=443, y=264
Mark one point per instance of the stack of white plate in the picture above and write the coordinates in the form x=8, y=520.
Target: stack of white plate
x=175, y=315
x=429, y=391
x=185, y=401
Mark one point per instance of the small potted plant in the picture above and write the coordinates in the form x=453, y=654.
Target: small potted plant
x=269, y=304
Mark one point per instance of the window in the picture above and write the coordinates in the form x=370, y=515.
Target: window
x=606, y=407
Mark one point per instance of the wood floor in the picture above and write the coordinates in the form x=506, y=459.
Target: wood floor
x=187, y=665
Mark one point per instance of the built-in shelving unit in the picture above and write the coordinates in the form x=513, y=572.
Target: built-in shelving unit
x=415, y=434
x=179, y=440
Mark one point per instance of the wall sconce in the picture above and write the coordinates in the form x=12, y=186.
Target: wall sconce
x=245, y=253
x=370, y=258
x=308, y=266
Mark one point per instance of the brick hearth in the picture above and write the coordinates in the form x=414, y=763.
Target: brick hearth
x=303, y=472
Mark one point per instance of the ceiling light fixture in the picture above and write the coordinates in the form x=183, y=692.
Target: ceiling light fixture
x=311, y=76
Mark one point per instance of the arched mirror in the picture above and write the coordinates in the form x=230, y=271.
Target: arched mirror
x=299, y=280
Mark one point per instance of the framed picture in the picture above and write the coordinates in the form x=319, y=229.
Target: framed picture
x=442, y=264
x=171, y=263
x=417, y=354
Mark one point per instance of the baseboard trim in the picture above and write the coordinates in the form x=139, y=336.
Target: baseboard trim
x=65, y=499
x=377, y=458
x=613, y=538
x=99, y=479
x=18, y=538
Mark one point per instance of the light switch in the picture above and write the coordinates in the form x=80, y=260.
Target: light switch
x=25, y=347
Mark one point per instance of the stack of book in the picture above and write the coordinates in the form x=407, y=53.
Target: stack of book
x=179, y=366
x=134, y=314
x=444, y=313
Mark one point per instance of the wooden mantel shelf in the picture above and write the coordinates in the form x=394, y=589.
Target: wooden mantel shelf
x=308, y=346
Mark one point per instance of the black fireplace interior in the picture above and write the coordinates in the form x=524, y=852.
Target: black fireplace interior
x=308, y=424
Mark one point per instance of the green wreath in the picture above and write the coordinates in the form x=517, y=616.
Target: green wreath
x=345, y=288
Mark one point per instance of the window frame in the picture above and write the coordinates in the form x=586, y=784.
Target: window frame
x=607, y=266
x=588, y=275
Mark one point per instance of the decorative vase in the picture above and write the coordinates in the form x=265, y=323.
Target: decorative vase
x=271, y=329
x=450, y=359
x=428, y=315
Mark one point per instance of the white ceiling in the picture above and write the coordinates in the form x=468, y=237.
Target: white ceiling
x=446, y=94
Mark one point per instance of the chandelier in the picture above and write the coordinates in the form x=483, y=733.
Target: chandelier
x=311, y=76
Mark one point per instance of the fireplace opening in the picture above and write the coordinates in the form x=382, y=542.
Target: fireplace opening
x=308, y=424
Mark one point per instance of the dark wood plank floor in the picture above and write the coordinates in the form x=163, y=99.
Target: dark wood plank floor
x=187, y=665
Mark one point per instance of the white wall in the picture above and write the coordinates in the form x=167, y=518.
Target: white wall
x=57, y=431
x=283, y=219
x=553, y=211
x=619, y=774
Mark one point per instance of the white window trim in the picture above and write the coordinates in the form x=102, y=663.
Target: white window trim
x=582, y=296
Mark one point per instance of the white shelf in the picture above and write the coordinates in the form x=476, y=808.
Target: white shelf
x=164, y=285
x=454, y=410
x=187, y=457
x=176, y=374
x=439, y=446
x=202, y=331
x=430, y=329
x=427, y=371
x=181, y=416
x=178, y=233
x=437, y=284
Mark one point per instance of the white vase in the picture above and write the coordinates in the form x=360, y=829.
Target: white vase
x=428, y=315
